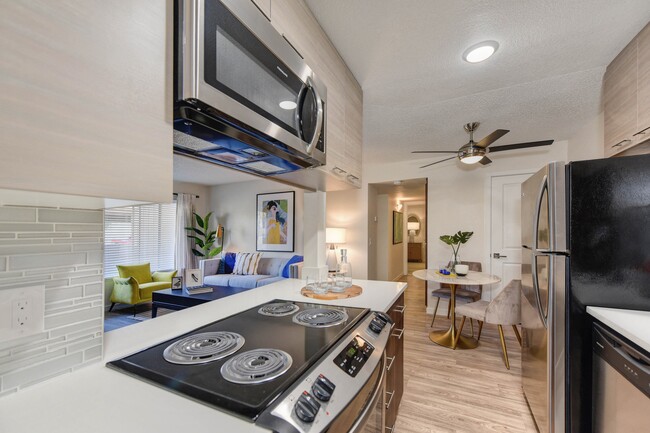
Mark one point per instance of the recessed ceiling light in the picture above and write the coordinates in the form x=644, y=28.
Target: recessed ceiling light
x=481, y=51
x=288, y=105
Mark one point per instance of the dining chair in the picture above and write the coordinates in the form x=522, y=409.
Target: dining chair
x=463, y=293
x=504, y=309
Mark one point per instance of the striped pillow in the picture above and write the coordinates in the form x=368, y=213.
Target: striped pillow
x=246, y=263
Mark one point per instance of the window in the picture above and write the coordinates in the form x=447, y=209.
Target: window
x=139, y=234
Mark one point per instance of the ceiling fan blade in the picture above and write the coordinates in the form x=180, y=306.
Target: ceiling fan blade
x=492, y=138
x=485, y=161
x=438, y=162
x=435, y=151
x=521, y=145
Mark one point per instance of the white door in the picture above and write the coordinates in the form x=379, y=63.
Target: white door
x=505, y=230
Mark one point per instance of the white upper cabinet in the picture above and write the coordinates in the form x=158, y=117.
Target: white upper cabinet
x=294, y=20
x=86, y=98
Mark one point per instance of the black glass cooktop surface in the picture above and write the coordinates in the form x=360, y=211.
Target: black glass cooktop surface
x=295, y=348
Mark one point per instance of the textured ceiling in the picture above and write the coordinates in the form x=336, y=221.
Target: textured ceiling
x=543, y=82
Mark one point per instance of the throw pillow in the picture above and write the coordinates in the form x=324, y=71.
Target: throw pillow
x=142, y=273
x=246, y=263
x=229, y=263
x=222, y=266
x=292, y=260
x=163, y=276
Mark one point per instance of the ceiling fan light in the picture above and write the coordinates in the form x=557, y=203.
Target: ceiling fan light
x=480, y=52
x=471, y=159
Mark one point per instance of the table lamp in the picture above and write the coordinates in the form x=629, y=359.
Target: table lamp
x=412, y=227
x=333, y=236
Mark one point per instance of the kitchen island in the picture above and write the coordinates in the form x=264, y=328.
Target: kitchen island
x=96, y=398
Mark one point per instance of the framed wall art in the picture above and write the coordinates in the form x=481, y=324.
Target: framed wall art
x=276, y=221
x=398, y=227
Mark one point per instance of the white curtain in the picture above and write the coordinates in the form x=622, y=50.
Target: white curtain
x=184, y=258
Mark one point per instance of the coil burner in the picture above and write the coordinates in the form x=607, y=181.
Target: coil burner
x=203, y=348
x=256, y=366
x=278, y=309
x=320, y=317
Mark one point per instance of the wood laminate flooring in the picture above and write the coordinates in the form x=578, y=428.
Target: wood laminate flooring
x=458, y=391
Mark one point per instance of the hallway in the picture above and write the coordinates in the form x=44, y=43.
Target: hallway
x=459, y=391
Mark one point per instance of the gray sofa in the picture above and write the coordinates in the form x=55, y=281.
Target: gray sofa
x=269, y=270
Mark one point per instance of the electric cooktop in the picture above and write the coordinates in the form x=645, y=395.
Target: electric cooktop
x=243, y=362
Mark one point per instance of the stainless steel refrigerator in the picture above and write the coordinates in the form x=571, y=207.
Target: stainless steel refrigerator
x=543, y=296
x=586, y=241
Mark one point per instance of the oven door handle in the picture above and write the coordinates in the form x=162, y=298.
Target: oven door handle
x=360, y=423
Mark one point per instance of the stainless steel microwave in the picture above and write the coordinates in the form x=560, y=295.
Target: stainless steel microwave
x=244, y=97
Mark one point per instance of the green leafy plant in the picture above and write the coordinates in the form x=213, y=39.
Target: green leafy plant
x=455, y=241
x=204, y=238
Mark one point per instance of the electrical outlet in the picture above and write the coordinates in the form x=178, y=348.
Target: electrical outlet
x=22, y=313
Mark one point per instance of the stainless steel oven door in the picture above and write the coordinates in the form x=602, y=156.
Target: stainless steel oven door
x=364, y=414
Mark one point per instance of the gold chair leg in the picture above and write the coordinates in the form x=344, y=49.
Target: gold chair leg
x=462, y=323
x=480, y=328
x=448, y=309
x=514, y=327
x=435, y=310
x=503, y=347
x=471, y=324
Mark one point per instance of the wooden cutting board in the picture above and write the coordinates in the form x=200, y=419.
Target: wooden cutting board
x=350, y=292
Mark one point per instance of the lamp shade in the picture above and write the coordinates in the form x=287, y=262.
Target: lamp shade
x=413, y=226
x=334, y=235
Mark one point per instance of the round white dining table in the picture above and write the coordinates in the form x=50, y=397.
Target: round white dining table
x=448, y=338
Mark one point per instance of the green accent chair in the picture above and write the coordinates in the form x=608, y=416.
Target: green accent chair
x=136, y=283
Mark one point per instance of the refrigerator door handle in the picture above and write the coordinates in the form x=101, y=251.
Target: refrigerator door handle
x=538, y=298
x=538, y=206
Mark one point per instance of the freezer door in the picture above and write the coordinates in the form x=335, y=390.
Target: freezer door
x=543, y=312
x=534, y=351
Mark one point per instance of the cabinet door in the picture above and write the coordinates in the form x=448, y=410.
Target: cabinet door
x=87, y=92
x=264, y=6
x=643, y=85
x=353, y=132
x=620, y=97
x=395, y=360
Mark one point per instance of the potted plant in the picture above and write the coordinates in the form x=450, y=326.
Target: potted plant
x=204, y=238
x=455, y=241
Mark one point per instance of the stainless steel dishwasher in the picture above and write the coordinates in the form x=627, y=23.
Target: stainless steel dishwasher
x=621, y=392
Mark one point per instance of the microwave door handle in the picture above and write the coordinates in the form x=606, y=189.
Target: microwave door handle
x=299, y=101
x=319, y=117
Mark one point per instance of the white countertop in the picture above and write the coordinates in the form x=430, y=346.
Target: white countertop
x=631, y=324
x=98, y=399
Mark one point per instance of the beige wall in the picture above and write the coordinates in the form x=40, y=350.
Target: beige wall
x=588, y=143
x=348, y=209
x=234, y=207
x=457, y=199
x=202, y=203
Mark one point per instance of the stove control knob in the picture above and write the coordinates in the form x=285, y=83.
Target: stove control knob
x=323, y=388
x=383, y=317
x=306, y=407
x=376, y=325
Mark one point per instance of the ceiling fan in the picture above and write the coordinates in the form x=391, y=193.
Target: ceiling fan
x=473, y=152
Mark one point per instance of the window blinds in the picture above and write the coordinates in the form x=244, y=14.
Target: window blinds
x=139, y=234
